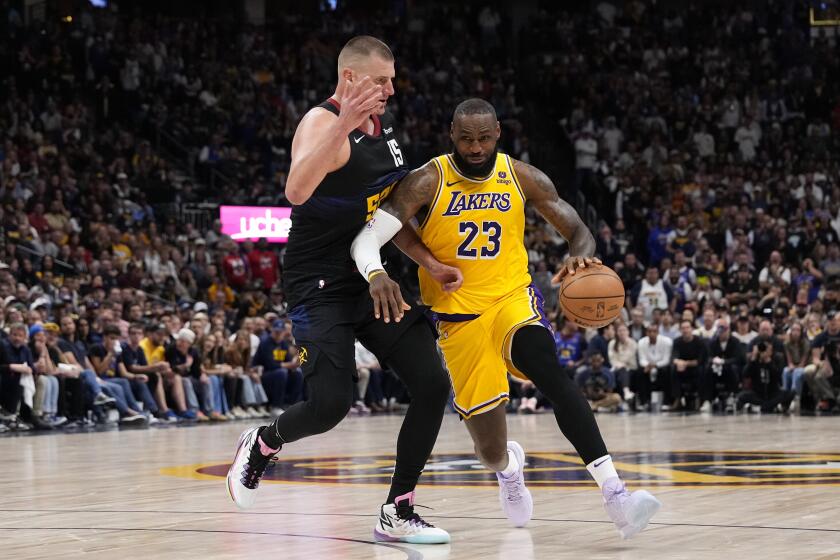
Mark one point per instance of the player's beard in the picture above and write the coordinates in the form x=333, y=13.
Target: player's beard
x=476, y=171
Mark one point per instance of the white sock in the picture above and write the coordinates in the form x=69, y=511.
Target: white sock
x=512, y=466
x=602, y=469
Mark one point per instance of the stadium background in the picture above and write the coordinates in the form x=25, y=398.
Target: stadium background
x=699, y=128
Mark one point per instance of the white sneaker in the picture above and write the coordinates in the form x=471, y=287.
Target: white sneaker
x=398, y=523
x=706, y=407
x=238, y=412
x=275, y=412
x=630, y=512
x=514, y=496
x=244, y=475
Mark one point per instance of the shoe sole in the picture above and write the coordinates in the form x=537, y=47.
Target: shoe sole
x=242, y=437
x=647, y=506
x=412, y=539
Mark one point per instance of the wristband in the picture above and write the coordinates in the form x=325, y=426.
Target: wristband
x=374, y=273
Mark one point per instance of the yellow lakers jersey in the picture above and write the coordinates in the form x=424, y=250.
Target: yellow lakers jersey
x=477, y=226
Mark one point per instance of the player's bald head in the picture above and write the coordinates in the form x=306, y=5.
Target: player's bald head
x=360, y=49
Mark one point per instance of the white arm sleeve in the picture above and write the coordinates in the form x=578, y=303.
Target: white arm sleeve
x=376, y=233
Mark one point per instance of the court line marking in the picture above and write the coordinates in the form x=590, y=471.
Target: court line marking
x=481, y=518
x=410, y=553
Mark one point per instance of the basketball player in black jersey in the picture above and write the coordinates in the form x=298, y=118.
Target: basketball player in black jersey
x=345, y=161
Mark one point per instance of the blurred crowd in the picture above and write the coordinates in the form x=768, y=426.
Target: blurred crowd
x=707, y=140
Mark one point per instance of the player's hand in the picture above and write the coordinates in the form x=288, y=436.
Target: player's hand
x=449, y=277
x=387, y=298
x=142, y=377
x=572, y=264
x=358, y=101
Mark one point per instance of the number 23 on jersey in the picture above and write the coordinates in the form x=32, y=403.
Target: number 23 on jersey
x=488, y=244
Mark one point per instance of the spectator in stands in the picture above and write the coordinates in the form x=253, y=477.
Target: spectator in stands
x=213, y=362
x=154, y=353
x=775, y=273
x=727, y=359
x=146, y=380
x=47, y=385
x=822, y=374
x=797, y=357
x=103, y=357
x=637, y=326
x=688, y=362
x=654, y=365
x=184, y=359
x=623, y=360
x=16, y=374
x=762, y=381
x=215, y=372
x=264, y=264
x=253, y=399
x=570, y=345
x=632, y=272
x=668, y=327
x=235, y=267
x=651, y=293
x=744, y=333
x=766, y=333
x=282, y=378
x=74, y=353
x=598, y=383
x=708, y=328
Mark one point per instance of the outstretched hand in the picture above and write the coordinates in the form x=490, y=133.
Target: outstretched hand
x=572, y=264
x=387, y=298
x=358, y=101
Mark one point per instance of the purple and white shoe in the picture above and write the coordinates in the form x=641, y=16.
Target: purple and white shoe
x=398, y=523
x=515, y=498
x=630, y=512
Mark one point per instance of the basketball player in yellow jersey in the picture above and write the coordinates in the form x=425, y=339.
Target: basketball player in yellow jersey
x=494, y=323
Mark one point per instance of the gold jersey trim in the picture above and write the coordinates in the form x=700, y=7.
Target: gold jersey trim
x=437, y=194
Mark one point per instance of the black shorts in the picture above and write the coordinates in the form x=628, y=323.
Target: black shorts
x=331, y=329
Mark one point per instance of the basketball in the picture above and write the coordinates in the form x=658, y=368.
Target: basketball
x=592, y=297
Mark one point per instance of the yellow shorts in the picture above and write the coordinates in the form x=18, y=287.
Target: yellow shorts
x=477, y=350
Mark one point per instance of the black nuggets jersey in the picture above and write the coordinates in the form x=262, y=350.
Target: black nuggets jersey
x=318, y=266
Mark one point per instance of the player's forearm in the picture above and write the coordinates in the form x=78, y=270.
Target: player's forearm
x=309, y=169
x=410, y=243
x=582, y=243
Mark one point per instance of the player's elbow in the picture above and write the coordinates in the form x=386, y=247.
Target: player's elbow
x=294, y=192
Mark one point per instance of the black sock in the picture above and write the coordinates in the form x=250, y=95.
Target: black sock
x=533, y=353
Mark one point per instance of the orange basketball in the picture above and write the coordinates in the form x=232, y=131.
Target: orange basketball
x=592, y=297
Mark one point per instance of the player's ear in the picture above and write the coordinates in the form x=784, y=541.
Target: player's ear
x=498, y=130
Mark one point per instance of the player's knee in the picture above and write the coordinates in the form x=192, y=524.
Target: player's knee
x=435, y=388
x=327, y=410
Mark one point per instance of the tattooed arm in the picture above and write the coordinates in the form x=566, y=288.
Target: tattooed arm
x=414, y=192
x=542, y=195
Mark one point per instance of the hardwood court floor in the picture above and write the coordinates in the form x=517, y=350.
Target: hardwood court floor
x=139, y=495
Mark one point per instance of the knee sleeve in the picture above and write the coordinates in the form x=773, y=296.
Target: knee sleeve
x=533, y=353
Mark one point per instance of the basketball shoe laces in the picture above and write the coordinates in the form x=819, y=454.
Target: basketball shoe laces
x=512, y=488
x=253, y=470
x=408, y=515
